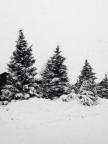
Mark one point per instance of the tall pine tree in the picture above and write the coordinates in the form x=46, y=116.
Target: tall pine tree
x=21, y=78
x=54, y=78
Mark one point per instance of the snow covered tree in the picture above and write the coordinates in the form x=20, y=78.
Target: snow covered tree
x=3, y=80
x=103, y=88
x=54, y=78
x=88, y=93
x=86, y=74
x=86, y=86
x=21, y=79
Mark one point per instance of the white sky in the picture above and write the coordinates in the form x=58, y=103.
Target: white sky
x=79, y=26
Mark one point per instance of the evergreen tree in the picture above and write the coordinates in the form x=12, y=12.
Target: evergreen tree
x=88, y=93
x=54, y=78
x=103, y=88
x=86, y=74
x=21, y=80
x=3, y=80
x=86, y=85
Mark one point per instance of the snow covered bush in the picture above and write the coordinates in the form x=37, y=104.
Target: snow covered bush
x=8, y=92
x=87, y=98
x=88, y=93
x=64, y=98
x=6, y=95
x=32, y=91
x=26, y=96
x=19, y=96
x=4, y=102
x=69, y=97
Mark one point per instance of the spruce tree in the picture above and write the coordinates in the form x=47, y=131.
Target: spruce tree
x=86, y=86
x=88, y=93
x=54, y=77
x=21, y=79
x=103, y=88
x=86, y=74
x=3, y=80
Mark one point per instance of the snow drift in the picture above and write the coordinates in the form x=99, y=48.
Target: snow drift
x=41, y=121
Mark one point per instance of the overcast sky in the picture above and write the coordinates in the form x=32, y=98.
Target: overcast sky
x=79, y=26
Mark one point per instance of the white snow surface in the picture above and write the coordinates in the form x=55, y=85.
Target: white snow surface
x=41, y=121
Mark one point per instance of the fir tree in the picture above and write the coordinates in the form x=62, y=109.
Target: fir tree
x=86, y=85
x=21, y=71
x=3, y=80
x=54, y=78
x=86, y=74
x=103, y=88
x=88, y=93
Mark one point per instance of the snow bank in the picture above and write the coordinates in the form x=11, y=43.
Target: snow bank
x=41, y=121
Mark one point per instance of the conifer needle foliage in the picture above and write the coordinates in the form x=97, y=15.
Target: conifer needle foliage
x=54, y=78
x=21, y=71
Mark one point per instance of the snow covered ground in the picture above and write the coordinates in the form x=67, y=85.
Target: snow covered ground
x=40, y=121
